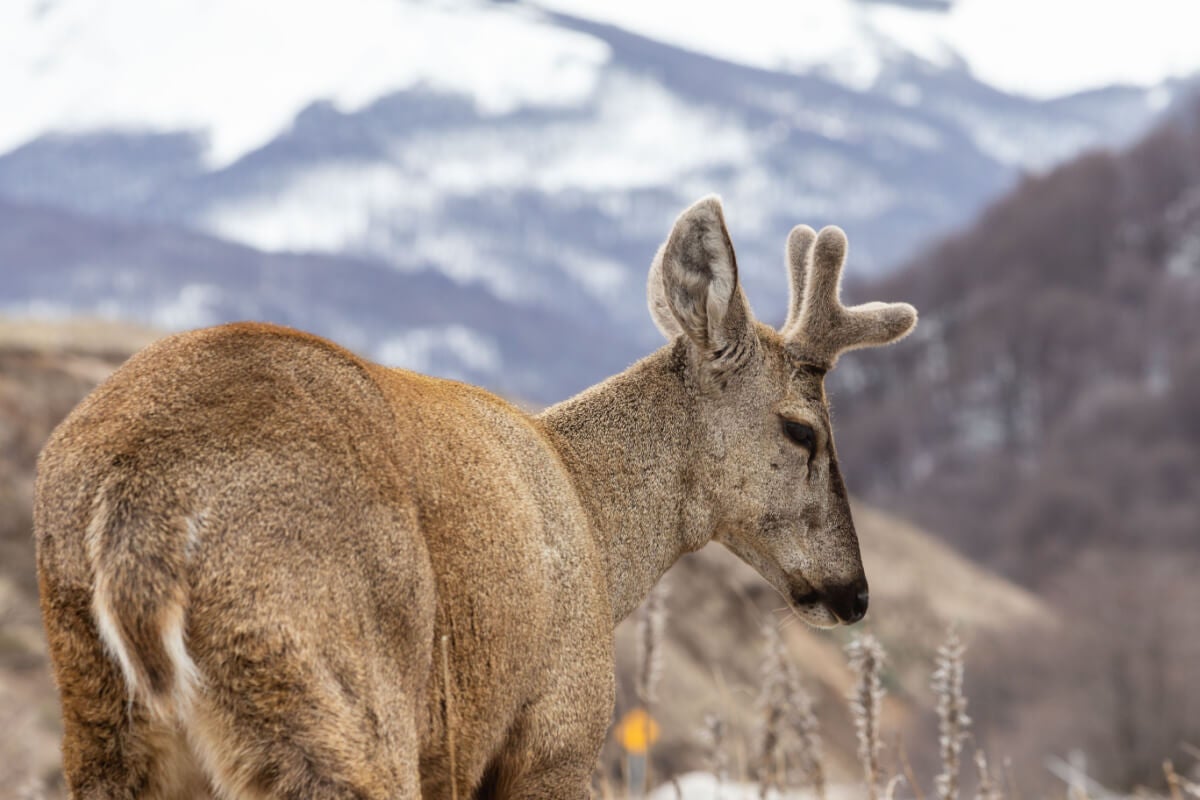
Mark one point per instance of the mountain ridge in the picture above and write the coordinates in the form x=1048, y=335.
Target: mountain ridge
x=549, y=208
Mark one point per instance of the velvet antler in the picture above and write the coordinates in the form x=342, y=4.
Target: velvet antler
x=819, y=327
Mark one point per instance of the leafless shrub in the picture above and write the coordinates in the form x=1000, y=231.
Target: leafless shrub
x=651, y=619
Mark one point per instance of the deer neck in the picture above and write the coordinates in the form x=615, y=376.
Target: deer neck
x=630, y=448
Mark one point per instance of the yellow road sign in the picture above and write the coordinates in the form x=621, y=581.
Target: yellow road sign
x=636, y=731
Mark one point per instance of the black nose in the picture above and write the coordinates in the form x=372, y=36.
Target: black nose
x=848, y=602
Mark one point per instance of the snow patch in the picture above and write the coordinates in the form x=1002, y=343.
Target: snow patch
x=703, y=786
x=241, y=72
x=638, y=135
x=1027, y=47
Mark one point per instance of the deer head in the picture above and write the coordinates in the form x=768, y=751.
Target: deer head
x=770, y=471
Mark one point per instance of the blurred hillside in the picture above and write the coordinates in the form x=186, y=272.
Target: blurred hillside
x=717, y=607
x=479, y=187
x=715, y=648
x=45, y=369
x=1044, y=419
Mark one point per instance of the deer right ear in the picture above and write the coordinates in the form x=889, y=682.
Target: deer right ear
x=693, y=287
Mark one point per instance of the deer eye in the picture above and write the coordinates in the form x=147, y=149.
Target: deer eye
x=801, y=434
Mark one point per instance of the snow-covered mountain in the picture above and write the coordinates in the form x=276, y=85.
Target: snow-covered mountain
x=529, y=155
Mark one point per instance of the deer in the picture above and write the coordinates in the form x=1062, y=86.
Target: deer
x=269, y=568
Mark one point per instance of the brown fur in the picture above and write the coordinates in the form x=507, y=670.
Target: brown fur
x=251, y=541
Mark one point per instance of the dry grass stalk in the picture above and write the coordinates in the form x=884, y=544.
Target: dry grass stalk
x=890, y=792
x=902, y=756
x=734, y=749
x=988, y=790
x=718, y=755
x=773, y=699
x=952, y=713
x=1077, y=789
x=866, y=700
x=1178, y=784
x=809, y=761
x=1010, y=780
x=1172, y=780
x=650, y=625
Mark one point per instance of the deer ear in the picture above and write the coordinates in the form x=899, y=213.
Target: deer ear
x=693, y=287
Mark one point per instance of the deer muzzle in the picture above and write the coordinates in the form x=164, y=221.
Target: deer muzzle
x=847, y=602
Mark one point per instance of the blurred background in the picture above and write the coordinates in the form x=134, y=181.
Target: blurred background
x=476, y=189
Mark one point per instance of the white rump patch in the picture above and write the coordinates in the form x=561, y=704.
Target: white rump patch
x=106, y=625
x=187, y=675
x=110, y=635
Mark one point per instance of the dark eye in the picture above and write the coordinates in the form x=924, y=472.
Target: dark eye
x=801, y=434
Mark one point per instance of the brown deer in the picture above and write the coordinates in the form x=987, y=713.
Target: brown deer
x=269, y=568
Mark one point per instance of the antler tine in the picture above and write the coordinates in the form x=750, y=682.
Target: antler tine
x=799, y=255
x=822, y=300
x=819, y=327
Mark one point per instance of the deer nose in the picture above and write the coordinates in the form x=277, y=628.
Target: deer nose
x=849, y=601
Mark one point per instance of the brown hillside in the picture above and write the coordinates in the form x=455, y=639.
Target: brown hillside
x=717, y=608
x=45, y=369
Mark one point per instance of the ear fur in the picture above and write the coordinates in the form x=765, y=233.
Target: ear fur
x=656, y=299
x=694, y=284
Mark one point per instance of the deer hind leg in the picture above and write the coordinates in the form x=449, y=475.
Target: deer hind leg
x=553, y=748
x=112, y=748
x=561, y=772
x=276, y=719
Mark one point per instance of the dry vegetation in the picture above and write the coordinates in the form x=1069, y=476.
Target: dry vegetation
x=786, y=749
x=764, y=709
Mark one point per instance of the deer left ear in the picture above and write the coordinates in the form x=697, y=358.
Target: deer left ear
x=693, y=287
